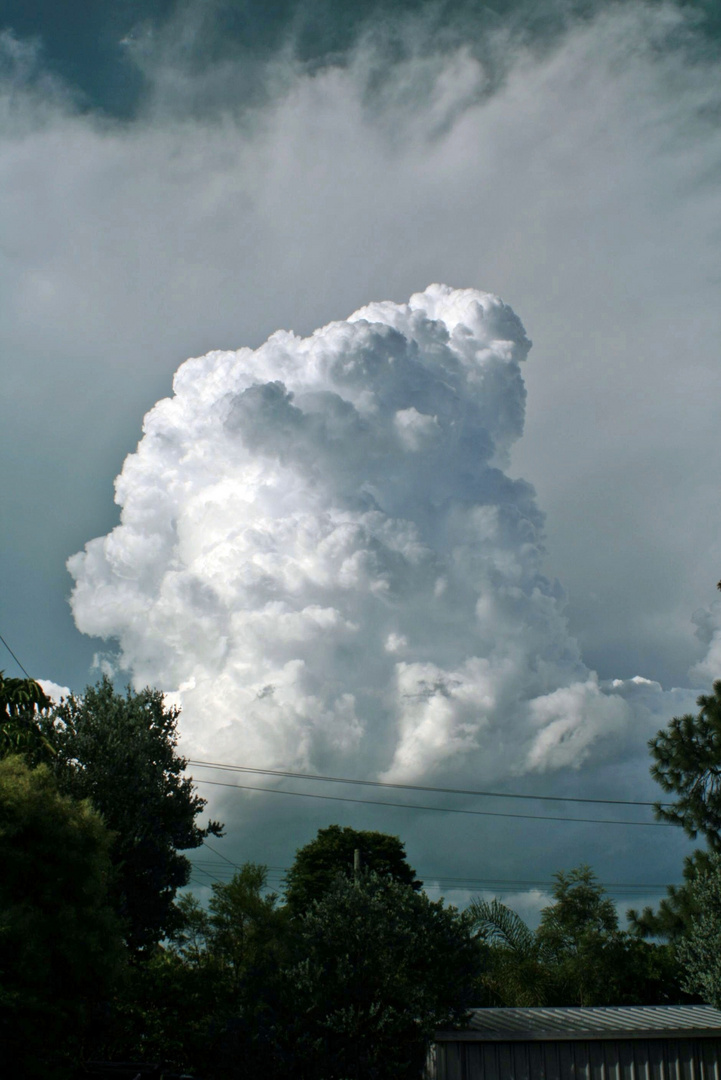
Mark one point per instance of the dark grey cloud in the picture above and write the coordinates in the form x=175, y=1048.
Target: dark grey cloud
x=109, y=55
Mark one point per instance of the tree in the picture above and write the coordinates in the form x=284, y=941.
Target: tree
x=120, y=752
x=687, y=762
x=699, y=951
x=580, y=932
x=21, y=702
x=210, y=998
x=677, y=909
x=582, y=908
x=577, y=956
x=247, y=947
x=60, y=943
x=379, y=967
x=244, y=927
x=332, y=852
x=162, y=1011
x=514, y=970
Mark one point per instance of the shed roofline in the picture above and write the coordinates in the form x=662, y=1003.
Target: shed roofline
x=592, y=1035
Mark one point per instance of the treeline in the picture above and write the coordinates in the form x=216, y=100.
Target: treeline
x=346, y=975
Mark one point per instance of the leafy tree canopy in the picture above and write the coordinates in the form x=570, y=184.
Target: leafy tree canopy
x=687, y=763
x=514, y=972
x=245, y=946
x=671, y=918
x=213, y=997
x=245, y=927
x=241, y=930
x=379, y=968
x=60, y=943
x=317, y=864
x=21, y=702
x=120, y=752
x=581, y=911
x=699, y=951
x=577, y=956
x=162, y=1011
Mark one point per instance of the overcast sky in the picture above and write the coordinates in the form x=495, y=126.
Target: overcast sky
x=181, y=179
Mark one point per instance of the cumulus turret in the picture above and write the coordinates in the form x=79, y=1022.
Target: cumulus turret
x=322, y=556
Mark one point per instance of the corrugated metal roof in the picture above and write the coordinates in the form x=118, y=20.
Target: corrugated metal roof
x=627, y=1021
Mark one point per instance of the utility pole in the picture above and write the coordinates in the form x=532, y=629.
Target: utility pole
x=356, y=864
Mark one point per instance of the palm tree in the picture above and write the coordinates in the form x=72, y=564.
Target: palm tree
x=515, y=973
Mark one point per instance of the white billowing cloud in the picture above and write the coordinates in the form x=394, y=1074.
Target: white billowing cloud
x=582, y=189
x=570, y=719
x=53, y=690
x=322, y=560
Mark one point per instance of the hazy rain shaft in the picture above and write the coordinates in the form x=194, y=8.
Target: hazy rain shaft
x=322, y=559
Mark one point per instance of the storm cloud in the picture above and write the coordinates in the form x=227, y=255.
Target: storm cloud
x=322, y=559
x=574, y=175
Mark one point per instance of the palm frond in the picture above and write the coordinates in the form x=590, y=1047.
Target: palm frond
x=496, y=924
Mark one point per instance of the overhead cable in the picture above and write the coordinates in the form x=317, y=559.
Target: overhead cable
x=431, y=880
x=437, y=809
x=14, y=657
x=414, y=787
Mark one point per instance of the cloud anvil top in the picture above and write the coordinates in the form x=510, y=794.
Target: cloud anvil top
x=321, y=554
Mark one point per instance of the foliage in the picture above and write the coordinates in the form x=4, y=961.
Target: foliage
x=687, y=762
x=21, y=702
x=210, y=999
x=579, y=931
x=676, y=911
x=379, y=966
x=120, y=752
x=244, y=927
x=60, y=943
x=496, y=924
x=160, y=1012
x=247, y=946
x=353, y=987
x=317, y=864
x=577, y=956
x=594, y=963
x=19, y=696
x=582, y=910
x=514, y=973
x=699, y=951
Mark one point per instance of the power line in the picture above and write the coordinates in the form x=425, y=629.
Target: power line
x=415, y=787
x=238, y=865
x=197, y=866
x=222, y=856
x=438, y=809
x=200, y=884
x=14, y=657
x=443, y=880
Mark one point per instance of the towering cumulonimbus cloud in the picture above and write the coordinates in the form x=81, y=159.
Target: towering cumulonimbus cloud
x=321, y=555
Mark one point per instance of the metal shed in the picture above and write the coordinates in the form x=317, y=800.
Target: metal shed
x=651, y=1042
